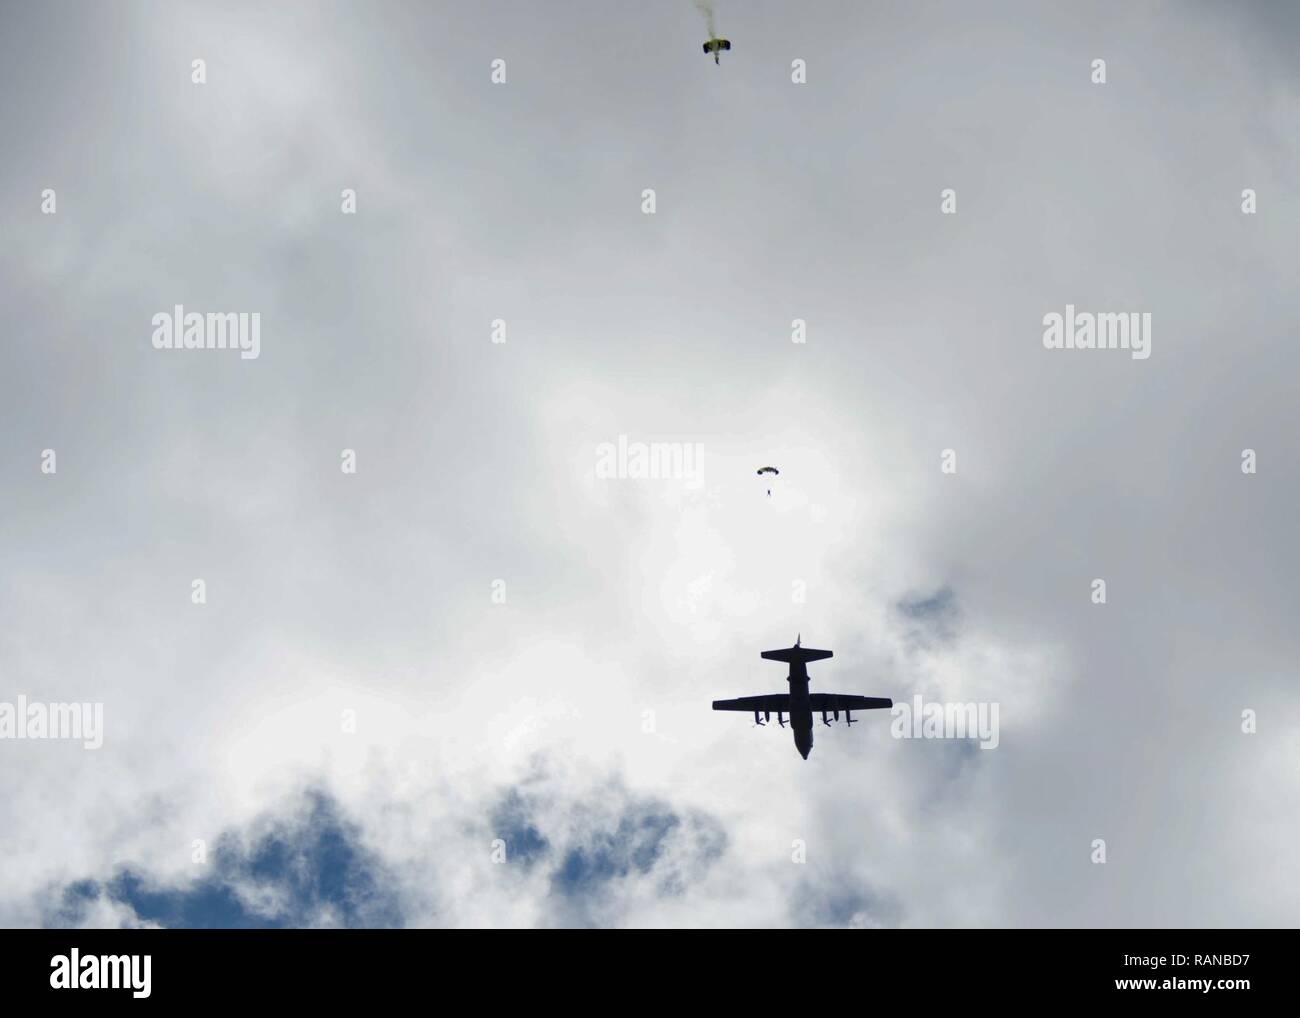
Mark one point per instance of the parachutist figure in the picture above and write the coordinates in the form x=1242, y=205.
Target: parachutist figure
x=716, y=46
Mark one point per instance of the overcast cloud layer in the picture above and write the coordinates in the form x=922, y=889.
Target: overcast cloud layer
x=572, y=722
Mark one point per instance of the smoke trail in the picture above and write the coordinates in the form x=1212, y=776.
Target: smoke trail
x=706, y=8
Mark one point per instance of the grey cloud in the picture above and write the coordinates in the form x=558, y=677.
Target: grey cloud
x=597, y=848
x=931, y=619
x=305, y=865
x=309, y=862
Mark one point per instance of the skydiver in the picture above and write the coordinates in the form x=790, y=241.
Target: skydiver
x=716, y=46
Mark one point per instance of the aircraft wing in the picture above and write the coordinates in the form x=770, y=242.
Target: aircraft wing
x=771, y=703
x=845, y=701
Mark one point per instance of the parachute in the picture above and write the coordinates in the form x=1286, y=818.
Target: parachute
x=716, y=46
x=773, y=472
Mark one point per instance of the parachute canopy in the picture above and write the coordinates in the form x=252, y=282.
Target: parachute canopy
x=768, y=470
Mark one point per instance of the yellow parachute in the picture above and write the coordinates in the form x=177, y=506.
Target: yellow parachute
x=716, y=46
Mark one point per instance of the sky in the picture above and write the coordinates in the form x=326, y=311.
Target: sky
x=469, y=683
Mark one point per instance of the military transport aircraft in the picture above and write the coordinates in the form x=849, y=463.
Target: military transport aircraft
x=799, y=703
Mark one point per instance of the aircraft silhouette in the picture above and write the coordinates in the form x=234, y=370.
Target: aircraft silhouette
x=799, y=703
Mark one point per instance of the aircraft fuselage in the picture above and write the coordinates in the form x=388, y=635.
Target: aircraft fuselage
x=801, y=719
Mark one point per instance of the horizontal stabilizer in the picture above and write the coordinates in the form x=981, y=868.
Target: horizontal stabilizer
x=791, y=655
